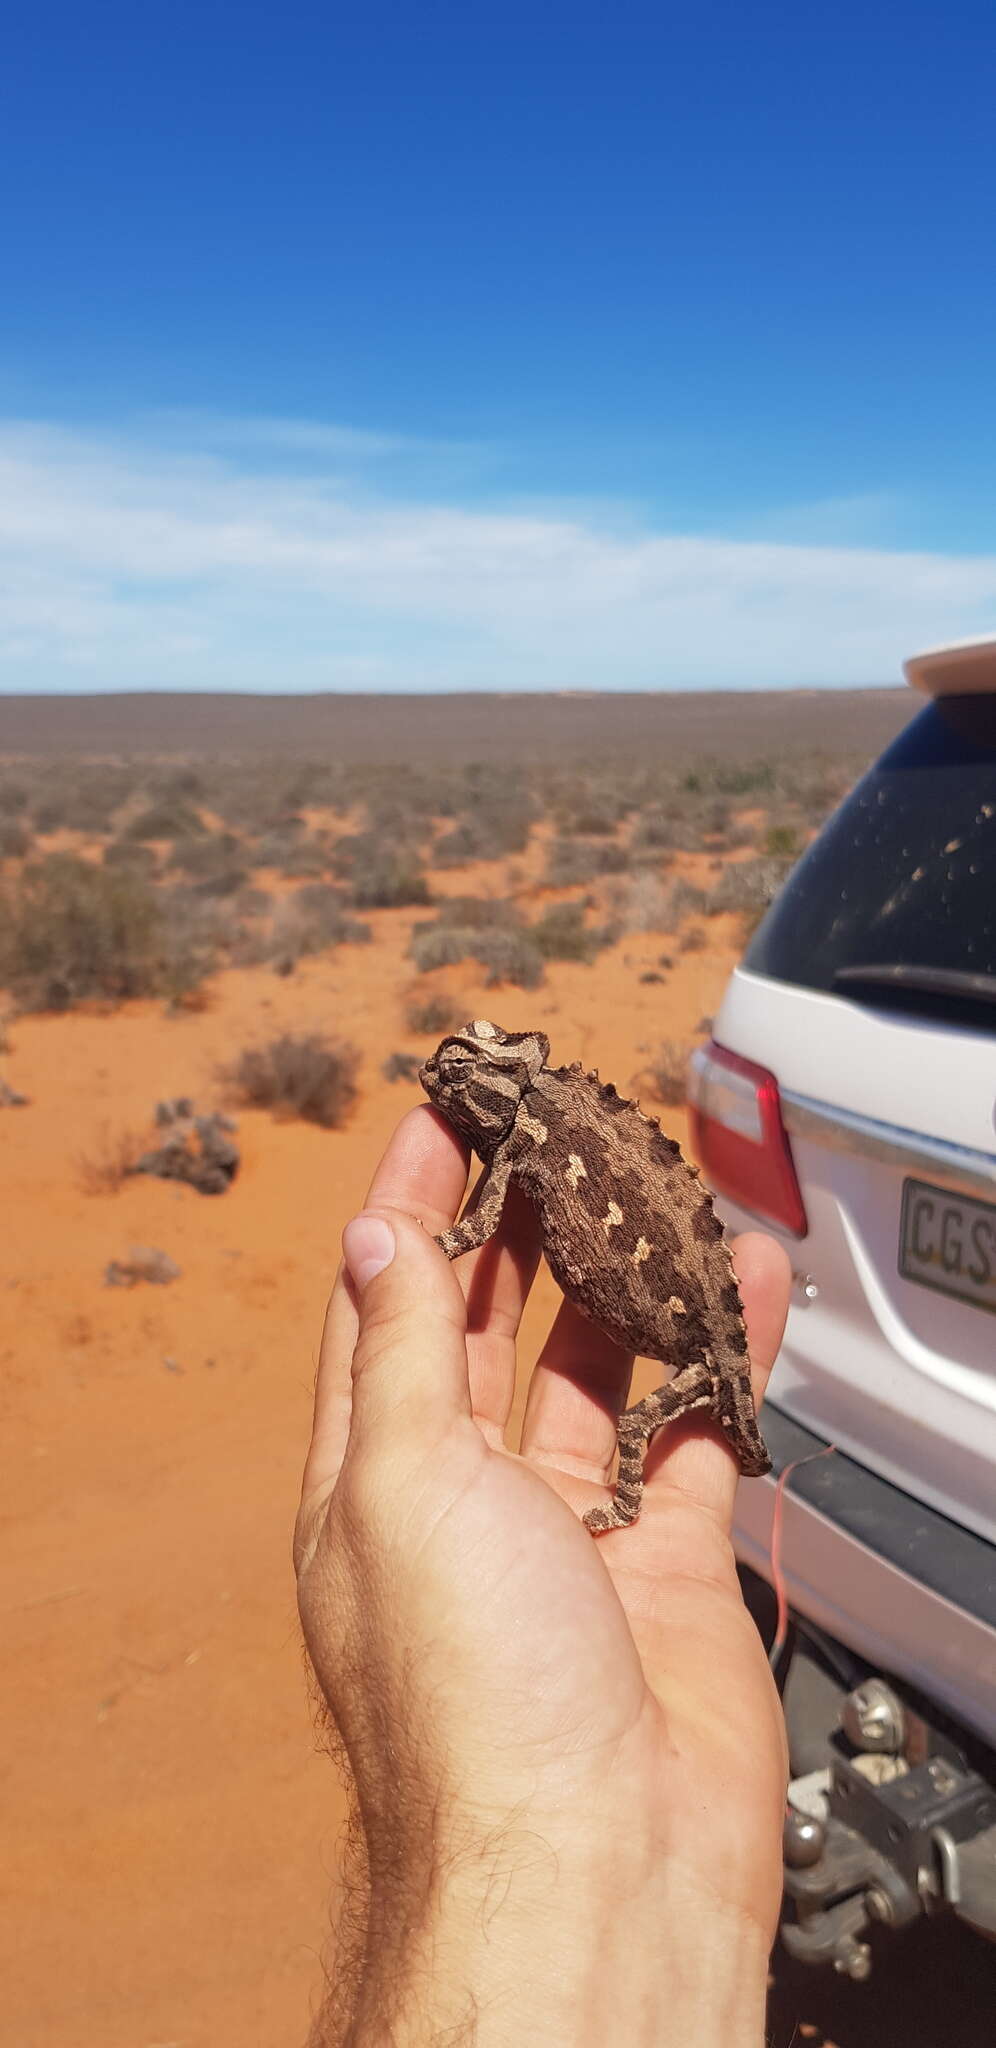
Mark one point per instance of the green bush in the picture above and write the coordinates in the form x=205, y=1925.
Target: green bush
x=70, y=931
x=781, y=841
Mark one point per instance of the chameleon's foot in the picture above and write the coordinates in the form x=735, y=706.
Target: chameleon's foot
x=612, y=1516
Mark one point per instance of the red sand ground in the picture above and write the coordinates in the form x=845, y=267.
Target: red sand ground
x=169, y=1827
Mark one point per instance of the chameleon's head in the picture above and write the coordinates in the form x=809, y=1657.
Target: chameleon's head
x=478, y=1077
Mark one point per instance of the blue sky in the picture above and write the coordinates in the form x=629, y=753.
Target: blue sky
x=536, y=347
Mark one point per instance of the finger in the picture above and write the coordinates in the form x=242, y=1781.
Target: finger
x=691, y=1456
x=496, y=1281
x=422, y=1174
x=576, y=1394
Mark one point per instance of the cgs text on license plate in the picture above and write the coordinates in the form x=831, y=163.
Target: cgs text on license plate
x=948, y=1242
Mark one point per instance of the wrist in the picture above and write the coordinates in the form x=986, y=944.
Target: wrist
x=509, y=1937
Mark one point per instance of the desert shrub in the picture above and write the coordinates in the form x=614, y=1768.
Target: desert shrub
x=14, y=798
x=129, y=853
x=742, y=778
x=214, y=863
x=437, y=945
x=433, y=1014
x=313, y=920
x=195, y=931
x=498, y=823
x=15, y=840
x=656, y=831
x=304, y=1075
x=781, y=841
x=686, y=899
x=401, y=1066
x=476, y=913
x=252, y=902
x=748, y=886
x=668, y=1071
x=81, y=796
x=562, y=934
x=170, y=818
x=180, y=781
x=642, y=903
x=509, y=955
x=70, y=930
x=379, y=875
x=304, y=858
x=693, y=940
x=573, y=861
x=391, y=882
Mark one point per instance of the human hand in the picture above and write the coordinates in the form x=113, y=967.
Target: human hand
x=568, y=1753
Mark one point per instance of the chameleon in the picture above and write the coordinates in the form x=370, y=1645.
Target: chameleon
x=628, y=1229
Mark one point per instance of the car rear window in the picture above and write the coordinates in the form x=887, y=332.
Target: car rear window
x=895, y=902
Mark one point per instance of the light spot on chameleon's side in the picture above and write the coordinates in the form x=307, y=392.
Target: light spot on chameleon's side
x=641, y=1252
x=613, y=1218
x=677, y=1306
x=576, y=1169
x=533, y=1128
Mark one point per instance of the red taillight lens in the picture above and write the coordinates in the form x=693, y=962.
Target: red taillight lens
x=739, y=1138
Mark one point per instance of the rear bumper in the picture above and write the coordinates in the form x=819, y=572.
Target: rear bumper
x=899, y=1583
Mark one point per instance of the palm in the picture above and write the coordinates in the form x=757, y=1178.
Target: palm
x=628, y=1660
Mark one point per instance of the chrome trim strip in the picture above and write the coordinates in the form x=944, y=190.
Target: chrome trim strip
x=844, y=1130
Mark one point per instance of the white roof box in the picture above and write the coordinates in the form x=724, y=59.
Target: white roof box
x=963, y=668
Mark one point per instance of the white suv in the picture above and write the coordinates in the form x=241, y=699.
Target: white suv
x=847, y=1101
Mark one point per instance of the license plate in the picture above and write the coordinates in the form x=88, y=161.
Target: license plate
x=948, y=1242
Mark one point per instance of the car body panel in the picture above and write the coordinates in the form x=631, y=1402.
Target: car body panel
x=899, y=1375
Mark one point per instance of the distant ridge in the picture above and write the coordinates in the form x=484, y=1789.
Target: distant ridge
x=504, y=726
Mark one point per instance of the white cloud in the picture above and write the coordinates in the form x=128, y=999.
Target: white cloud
x=127, y=565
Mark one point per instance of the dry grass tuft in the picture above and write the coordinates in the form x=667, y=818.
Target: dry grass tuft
x=113, y=1158
x=668, y=1071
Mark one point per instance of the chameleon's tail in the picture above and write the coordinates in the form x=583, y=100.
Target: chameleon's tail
x=737, y=1417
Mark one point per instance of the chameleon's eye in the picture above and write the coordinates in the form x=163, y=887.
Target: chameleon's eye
x=456, y=1054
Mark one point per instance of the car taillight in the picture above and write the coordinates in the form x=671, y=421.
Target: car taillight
x=738, y=1136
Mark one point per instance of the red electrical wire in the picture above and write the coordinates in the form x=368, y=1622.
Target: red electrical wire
x=775, y=1552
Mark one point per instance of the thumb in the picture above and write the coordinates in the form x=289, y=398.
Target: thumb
x=410, y=1359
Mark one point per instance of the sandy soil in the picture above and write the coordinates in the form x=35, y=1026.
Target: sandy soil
x=170, y=1827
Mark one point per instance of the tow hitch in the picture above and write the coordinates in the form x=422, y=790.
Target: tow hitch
x=897, y=1825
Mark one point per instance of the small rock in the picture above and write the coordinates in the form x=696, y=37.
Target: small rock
x=144, y=1262
x=10, y=1099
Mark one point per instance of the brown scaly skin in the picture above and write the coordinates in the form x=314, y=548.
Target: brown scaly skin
x=629, y=1231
